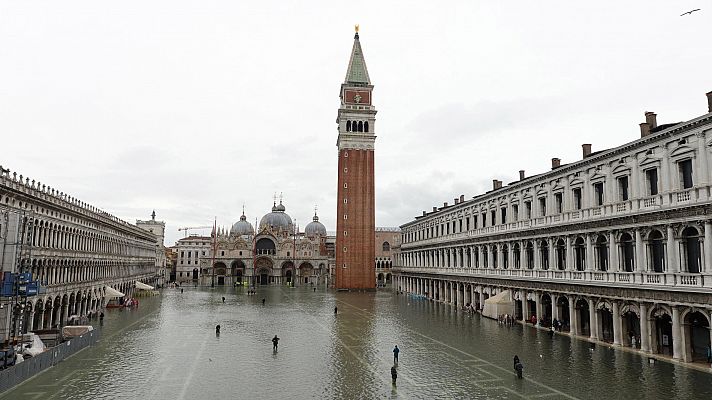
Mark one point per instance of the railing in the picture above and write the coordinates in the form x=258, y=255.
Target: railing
x=615, y=278
x=668, y=199
x=650, y=201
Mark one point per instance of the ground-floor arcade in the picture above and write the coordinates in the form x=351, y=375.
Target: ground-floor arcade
x=677, y=330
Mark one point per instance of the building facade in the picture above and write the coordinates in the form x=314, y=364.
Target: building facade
x=617, y=246
x=190, y=251
x=276, y=254
x=356, y=218
x=387, y=240
x=73, y=249
x=158, y=229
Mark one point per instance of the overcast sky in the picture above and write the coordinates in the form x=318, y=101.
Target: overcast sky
x=194, y=108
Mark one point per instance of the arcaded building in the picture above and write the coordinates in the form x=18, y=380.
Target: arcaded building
x=75, y=251
x=387, y=240
x=617, y=245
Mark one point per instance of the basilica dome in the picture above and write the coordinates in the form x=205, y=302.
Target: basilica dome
x=277, y=218
x=315, y=227
x=242, y=227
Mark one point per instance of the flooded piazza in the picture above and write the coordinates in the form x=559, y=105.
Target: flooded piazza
x=168, y=349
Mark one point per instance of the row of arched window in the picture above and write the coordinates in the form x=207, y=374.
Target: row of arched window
x=356, y=126
x=51, y=235
x=56, y=272
x=526, y=254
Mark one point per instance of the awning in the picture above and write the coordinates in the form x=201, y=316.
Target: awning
x=499, y=304
x=111, y=292
x=143, y=286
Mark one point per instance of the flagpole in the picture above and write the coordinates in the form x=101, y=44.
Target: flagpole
x=215, y=243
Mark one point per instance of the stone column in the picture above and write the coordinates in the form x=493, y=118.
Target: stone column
x=65, y=310
x=592, y=320
x=640, y=262
x=40, y=322
x=554, y=308
x=552, y=254
x=707, y=249
x=617, y=324
x=573, y=326
x=644, y=324
x=676, y=334
x=525, y=307
x=589, y=253
x=537, y=256
x=702, y=162
x=481, y=256
x=671, y=251
x=570, y=262
x=613, y=253
x=31, y=322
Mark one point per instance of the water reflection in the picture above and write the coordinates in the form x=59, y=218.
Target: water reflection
x=168, y=349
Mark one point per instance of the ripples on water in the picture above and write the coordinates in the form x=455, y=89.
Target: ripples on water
x=167, y=349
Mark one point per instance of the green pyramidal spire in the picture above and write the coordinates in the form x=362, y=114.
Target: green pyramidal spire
x=357, y=72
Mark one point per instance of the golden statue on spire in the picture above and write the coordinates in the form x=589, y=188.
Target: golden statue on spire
x=356, y=28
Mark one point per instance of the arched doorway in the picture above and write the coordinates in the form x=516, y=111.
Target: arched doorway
x=263, y=266
x=263, y=276
x=605, y=322
x=630, y=326
x=288, y=276
x=545, y=318
x=195, y=274
x=583, y=317
x=238, y=271
x=662, y=332
x=219, y=269
x=306, y=271
x=562, y=303
x=696, y=331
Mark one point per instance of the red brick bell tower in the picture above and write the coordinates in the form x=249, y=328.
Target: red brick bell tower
x=356, y=217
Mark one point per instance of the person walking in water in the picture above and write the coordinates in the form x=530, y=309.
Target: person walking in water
x=217, y=330
x=516, y=360
x=263, y=301
x=396, y=350
x=394, y=374
x=275, y=343
x=223, y=299
x=336, y=310
x=519, y=367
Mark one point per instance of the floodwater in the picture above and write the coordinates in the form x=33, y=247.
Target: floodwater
x=168, y=349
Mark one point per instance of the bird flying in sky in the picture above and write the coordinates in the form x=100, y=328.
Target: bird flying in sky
x=690, y=12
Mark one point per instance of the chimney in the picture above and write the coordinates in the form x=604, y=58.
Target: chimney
x=496, y=184
x=455, y=200
x=555, y=163
x=586, y=149
x=644, y=129
x=462, y=198
x=445, y=204
x=709, y=101
x=424, y=213
x=652, y=119
x=521, y=174
x=435, y=209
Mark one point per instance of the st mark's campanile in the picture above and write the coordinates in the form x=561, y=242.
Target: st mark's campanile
x=356, y=219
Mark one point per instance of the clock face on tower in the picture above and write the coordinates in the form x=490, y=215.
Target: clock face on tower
x=357, y=97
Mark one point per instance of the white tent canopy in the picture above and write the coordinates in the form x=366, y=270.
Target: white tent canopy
x=499, y=304
x=111, y=292
x=143, y=286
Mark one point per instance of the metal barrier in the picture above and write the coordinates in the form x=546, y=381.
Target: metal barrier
x=15, y=375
